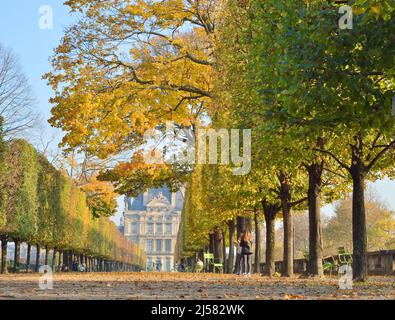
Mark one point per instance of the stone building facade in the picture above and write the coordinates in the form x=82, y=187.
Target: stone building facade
x=152, y=220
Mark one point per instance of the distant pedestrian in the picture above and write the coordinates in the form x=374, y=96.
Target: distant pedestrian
x=246, y=252
x=182, y=266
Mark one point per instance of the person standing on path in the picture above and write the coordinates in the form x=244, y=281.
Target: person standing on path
x=246, y=252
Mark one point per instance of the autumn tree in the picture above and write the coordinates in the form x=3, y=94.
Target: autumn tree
x=281, y=181
x=380, y=225
x=344, y=92
x=3, y=197
x=288, y=61
x=129, y=66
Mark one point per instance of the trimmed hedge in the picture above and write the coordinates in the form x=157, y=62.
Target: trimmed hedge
x=41, y=206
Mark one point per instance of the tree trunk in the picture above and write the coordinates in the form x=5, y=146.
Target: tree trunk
x=231, y=225
x=315, y=235
x=211, y=249
x=224, y=250
x=38, y=251
x=62, y=259
x=4, y=261
x=59, y=260
x=257, y=264
x=28, y=254
x=46, y=255
x=17, y=255
x=359, y=225
x=243, y=224
x=54, y=259
x=218, y=245
x=70, y=260
x=288, y=257
x=270, y=216
x=211, y=243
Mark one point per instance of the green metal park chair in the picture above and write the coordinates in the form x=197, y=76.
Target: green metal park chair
x=344, y=257
x=328, y=264
x=209, y=260
x=218, y=266
x=187, y=269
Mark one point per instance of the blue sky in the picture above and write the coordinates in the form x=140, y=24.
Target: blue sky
x=19, y=30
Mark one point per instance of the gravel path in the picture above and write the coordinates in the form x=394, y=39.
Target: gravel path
x=170, y=286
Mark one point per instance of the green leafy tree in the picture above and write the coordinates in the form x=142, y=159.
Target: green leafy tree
x=341, y=82
x=380, y=226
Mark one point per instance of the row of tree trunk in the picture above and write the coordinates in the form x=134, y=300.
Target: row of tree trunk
x=61, y=260
x=217, y=243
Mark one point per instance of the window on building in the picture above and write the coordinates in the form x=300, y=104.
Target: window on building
x=134, y=228
x=149, y=245
x=150, y=228
x=168, y=245
x=159, y=228
x=158, y=264
x=168, y=228
x=127, y=228
x=168, y=264
x=159, y=245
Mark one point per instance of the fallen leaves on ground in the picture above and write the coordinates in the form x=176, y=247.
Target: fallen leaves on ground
x=173, y=286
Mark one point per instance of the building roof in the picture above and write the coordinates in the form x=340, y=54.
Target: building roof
x=159, y=202
x=139, y=205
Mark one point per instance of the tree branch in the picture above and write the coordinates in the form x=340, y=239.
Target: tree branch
x=380, y=154
x=333, y=156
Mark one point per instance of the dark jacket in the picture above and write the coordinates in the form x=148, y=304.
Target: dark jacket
x=245, y=247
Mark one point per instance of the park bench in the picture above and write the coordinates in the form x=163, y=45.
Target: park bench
x=21, y=268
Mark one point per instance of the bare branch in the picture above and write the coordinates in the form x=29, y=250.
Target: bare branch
x=16, y=97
